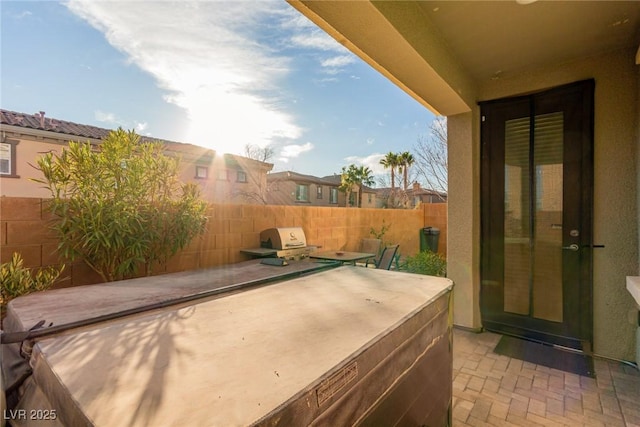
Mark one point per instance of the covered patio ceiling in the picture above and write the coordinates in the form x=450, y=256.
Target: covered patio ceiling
x=441, y=51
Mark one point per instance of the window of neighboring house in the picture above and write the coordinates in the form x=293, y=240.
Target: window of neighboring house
x=370, y=197
x=319, y=192
x=242, y=176
x=8, y=159
x=202, y=172
x=333, y=195
x=302, y=193
x=223, y=175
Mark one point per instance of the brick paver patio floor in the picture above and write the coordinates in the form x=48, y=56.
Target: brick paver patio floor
x=494, y=390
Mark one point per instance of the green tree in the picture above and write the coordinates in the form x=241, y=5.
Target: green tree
x=405, y=161
x=391, y=161
x=355, y=176
x=120, y=205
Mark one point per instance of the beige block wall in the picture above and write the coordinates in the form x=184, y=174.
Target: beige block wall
x=24, y=228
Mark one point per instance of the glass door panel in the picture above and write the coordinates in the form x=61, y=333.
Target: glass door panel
x=533, y=225
x=517, y=228
x=547, y=217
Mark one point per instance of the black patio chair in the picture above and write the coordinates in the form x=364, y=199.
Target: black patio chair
x=387, y=257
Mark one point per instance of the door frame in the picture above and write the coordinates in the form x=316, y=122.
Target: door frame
x=583, y=323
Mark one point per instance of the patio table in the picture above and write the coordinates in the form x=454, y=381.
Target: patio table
x=344, y=257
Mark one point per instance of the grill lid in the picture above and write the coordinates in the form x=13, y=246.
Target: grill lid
x=283, y=238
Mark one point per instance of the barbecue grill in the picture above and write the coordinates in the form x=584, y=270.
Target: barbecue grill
x=282, y=242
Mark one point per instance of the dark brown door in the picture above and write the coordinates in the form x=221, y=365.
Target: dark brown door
x=536, y=215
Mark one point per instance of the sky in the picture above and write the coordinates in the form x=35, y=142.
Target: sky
x=217, y=74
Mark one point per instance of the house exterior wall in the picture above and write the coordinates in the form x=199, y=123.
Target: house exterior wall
x=31, y=147
x=244, y=183
x=283, y=192
x=616, y=179
x=28, y=150
x=638, y=159
x=25, y=228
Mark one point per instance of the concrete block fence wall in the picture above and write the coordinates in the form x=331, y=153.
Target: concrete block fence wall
x=25, y=228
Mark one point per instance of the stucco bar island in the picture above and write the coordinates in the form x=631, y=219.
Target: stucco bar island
x=332, y=346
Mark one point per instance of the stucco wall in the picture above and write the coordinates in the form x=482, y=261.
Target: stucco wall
x=27, y=153
x=283, y=192
x=616, y=184
x=30, y=148
x=464, y=218
x=638, y=155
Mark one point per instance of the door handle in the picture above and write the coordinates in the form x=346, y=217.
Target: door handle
x=571, y=247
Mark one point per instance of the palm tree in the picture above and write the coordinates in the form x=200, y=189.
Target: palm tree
x=355, y=176
x=347, y=181
x=405, y=160
x=390, y=161
x=364, y=177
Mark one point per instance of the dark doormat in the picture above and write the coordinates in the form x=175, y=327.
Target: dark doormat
x=546, y=355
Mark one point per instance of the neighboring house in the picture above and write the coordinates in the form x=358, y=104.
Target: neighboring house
x=542, y=100
x=418, y=195
x=408, y=199
x=25, y=137
x=290, y=188
x=368, y=193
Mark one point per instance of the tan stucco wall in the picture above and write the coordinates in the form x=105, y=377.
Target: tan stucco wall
x=27, y=153
x=463, y=229
x=638, y=157
x=616, y=185
x=30, y=148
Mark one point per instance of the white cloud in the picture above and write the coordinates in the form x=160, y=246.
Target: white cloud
x=206, y=57
x=112, y=121
x=101, y=116
x=316, y=40
x=309, y=37
x=372, y=161
x=325, y=80
x=23, y=14
x=294, y=150
x=338, y=61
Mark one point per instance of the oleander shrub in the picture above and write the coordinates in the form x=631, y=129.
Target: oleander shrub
x=17, y=280
x=119, y=206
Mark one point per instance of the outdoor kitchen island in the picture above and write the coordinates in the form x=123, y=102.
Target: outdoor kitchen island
x=339, y=346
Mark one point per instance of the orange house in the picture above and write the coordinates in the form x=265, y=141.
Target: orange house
x=223, y=178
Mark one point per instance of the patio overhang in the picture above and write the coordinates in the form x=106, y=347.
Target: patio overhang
x=440, y=52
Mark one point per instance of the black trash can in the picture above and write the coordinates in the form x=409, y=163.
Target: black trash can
x=429, y=239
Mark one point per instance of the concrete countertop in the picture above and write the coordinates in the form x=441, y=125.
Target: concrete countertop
x=633, y=286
